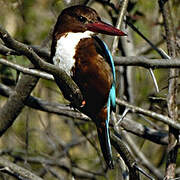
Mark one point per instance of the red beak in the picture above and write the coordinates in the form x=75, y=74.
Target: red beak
x=104, y=28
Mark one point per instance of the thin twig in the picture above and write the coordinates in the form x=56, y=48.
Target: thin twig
x=146, y=39
x=142, y=157
x=25, y=70
x=144, y=161
x=154, y=79
x=159, y=117
x=122, y=12
x=153, y=46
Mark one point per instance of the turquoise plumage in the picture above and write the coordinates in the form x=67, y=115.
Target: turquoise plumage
x=111, y=104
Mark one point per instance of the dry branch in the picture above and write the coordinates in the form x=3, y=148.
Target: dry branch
x=159, y=117
x=144, y=160
x=172, y=90
x=119, y=61
x=127, y=157
x=16, y=171
x=147, y=63
x=26, y=70
x=15, y=103
x=157, y=136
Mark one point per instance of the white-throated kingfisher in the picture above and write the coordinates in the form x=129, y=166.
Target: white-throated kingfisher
x=86, y=58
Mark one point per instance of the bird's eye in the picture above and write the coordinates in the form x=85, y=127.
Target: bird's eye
x=82, y=19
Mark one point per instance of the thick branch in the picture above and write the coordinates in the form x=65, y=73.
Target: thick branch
x=156, y=136
x=123, y=61
x=147, y=63
x=15, y=102
x=140, y=61
x=42, y=52
x=127, y=157
x=172, y=91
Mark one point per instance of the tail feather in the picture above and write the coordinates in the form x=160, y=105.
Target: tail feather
x=103, y=135
x=102, y=124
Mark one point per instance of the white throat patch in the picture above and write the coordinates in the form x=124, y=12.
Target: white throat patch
x=65, y=50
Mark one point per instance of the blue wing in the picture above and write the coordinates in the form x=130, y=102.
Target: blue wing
x=109, y=59
x=111, y=104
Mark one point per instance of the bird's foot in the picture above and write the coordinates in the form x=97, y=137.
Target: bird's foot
x=71, y=105
x=83, y=103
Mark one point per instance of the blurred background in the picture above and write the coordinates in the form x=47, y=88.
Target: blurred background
x=59, y=147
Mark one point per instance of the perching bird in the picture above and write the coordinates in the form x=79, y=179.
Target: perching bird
x=77, y=50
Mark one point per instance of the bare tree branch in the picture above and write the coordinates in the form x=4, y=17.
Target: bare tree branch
x=136, y=128
x=25, y=70
x=121, y=15
x=127, y=157
x=159, y=117
x=80, y=174
x=146, y=39
x=16, y=171
x=15, y=103
x=172, y=91
x=119, y=61
x=42, y=52
x=146, y=48
x=142, y=157
x=156, y=136
x=147, y=63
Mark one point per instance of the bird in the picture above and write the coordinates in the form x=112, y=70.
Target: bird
x=78, y=50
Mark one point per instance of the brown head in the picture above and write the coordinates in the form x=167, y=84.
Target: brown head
x=82, y=18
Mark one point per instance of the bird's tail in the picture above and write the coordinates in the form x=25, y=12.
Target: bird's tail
x=104, y=139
